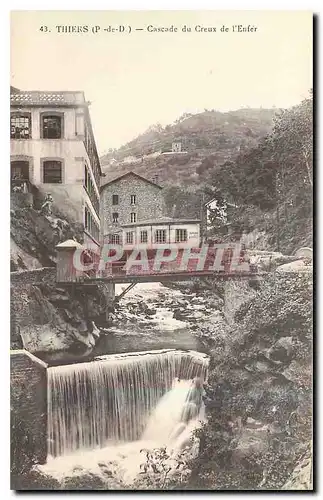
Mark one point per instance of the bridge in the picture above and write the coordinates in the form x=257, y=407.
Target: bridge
x=169, y=264
x=120, y=278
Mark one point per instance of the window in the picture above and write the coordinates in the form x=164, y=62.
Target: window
x=87, y=180
x=87, y=218
x=52, y=172
x=115, y=217
x=115, y=199
x=20, y=127
x=89, y=186
x=160, y=236
x=143, y=236
x=19, y=176
x=133, y=217
x=20, y=170
x=90, y=225
x=52, y=127
x=129, y=237
x=114, y=239
x=133, y=199
x=181, y=235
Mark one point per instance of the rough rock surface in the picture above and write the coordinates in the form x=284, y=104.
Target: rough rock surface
x=301, y=477
x=259, y=392
x=48, y=318
x=35, y=235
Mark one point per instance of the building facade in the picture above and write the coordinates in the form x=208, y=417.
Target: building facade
x=128, y=199
x=152, y=234
x=53, y=149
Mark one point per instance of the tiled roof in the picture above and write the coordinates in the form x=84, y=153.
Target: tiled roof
x=35, y=97
x=111, y=181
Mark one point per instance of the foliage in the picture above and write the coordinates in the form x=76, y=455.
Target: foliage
x=276, y=176
x=258, y=405
x=86, y=481
x=162, y=471
x=283, y=307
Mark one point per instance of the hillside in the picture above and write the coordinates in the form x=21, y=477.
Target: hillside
x=272, y=183
x=220, y=136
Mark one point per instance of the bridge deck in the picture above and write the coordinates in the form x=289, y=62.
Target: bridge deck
x=175, y=276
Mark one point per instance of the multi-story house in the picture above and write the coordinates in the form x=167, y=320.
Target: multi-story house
x=133, y=214
x=53, y=149
x=128, y=199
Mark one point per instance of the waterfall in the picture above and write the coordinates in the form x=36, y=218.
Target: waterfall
x=111, y=399
x=174, y=413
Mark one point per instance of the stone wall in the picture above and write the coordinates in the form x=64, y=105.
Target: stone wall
x=150, y=203
x=28, y=405
x=22, y=289
x=43, y=275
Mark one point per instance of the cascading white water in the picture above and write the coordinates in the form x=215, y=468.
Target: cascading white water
x=112, y=399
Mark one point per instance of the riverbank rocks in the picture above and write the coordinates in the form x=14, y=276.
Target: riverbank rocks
x=259, y=393
x=53, y=319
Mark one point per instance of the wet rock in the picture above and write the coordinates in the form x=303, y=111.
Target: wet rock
x=82, y=328
x=69, y=315
x=59, y=298
x=151, y=312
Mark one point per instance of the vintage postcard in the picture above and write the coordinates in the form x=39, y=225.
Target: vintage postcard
x=161, y=171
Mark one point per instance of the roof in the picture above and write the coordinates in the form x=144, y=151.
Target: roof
x=126, y=175
x=162, y=220
x=69, y=244
x=215, y=199
x=46, y=98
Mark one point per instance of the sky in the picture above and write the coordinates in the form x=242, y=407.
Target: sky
x=134, y=80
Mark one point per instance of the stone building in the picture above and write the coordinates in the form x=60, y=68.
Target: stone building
x=129, y=199
x=53, y=149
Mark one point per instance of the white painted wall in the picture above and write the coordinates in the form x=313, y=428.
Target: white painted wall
x=193, y=236
x=70, y=196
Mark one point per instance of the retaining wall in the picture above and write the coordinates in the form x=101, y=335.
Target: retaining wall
x=28, y=398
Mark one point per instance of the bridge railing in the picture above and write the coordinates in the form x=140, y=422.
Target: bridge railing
x=220, y=260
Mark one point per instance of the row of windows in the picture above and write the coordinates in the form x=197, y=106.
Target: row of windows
x=91, y=151
x=159, y=236
x=89, y=186
x=52, y=171
x=90, y=225
x=115, y=199
x=115, y=217
x=51, y=126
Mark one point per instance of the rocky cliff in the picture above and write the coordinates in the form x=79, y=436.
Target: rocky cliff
x=45, y=317
x=259, y=393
